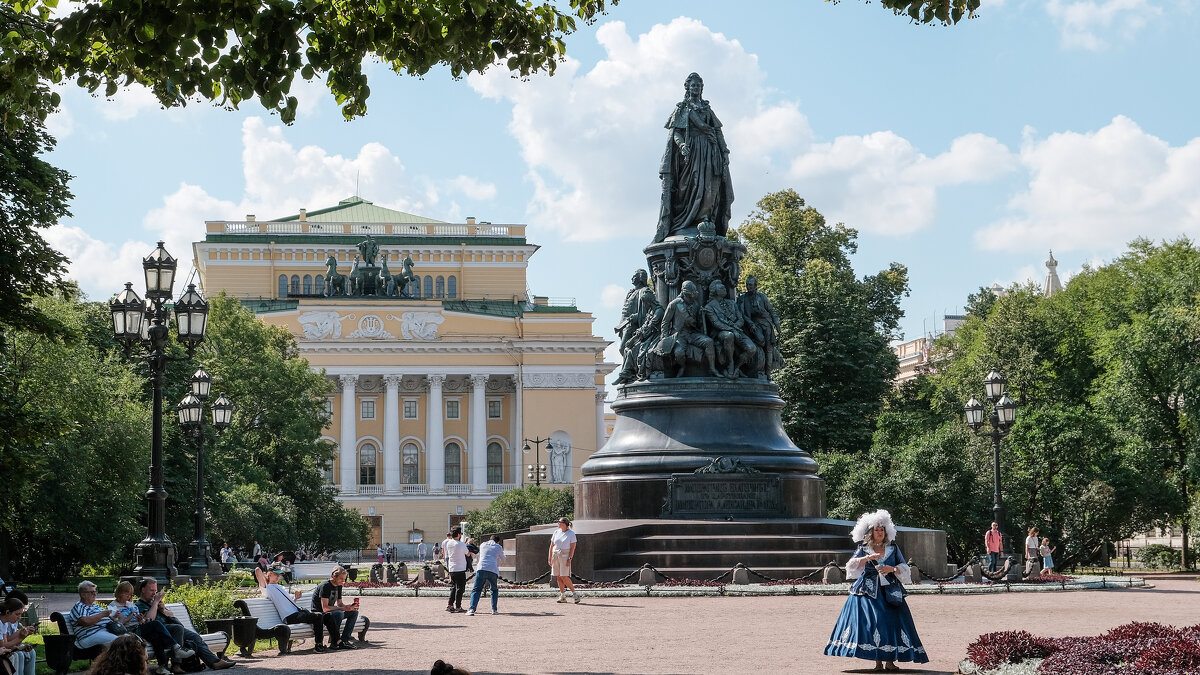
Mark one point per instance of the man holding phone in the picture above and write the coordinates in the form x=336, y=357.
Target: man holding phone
x=150, y=603
x=327, y=600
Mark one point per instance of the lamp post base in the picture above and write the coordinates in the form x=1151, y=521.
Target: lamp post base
x=200, y=560
x=155, y=558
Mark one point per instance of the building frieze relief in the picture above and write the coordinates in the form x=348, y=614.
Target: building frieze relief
x=558, y=381
x=327, y=325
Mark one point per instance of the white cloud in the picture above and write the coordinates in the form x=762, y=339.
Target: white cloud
x=612, y=296
x=280, y=179
x=60, y=123
x=593, y=140
x=1091, y=24
x=1097, y=191
x=128, y=102
x=880, y=183
x=472, y=188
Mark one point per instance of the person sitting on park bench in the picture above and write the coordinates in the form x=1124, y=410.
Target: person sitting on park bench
x=285, y=604
x=90, y=618
x=151, y=605
x=327, y=600
x=12, y=637
x=130, y=619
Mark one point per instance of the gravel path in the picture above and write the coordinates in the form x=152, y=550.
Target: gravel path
x=778, y=634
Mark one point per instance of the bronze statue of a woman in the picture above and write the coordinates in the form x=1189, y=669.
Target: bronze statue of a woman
x=694, y=168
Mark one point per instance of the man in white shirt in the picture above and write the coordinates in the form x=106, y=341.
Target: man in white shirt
x=455, y=553
x=291, y=612
x=256, y=552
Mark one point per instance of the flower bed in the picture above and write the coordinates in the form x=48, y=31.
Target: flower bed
x=1147, y=648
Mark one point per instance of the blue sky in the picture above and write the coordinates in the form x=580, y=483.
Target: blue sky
x=964, y=153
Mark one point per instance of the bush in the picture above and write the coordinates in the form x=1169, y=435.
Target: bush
x=521, y=508
x=1158, y=555
x=209, y=600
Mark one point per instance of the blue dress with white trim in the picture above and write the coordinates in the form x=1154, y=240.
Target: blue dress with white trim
x=870, y=628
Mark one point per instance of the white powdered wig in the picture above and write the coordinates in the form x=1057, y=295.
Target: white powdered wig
x=868, y=521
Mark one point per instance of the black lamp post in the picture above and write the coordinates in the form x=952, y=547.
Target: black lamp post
x=191, y=418
x=143, y=327
x=537, y=472
x=1004, y=413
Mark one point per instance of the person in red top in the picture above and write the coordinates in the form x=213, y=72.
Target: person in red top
x=992, y=541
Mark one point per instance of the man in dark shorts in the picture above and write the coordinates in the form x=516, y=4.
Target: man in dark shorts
x=327, y=600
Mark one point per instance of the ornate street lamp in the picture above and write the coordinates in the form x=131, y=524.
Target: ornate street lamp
x=1004, y=414
x=141, y=327
x=537, y=472
x=191, y=418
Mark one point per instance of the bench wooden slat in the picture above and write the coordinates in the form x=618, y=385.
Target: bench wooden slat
x=272, y=626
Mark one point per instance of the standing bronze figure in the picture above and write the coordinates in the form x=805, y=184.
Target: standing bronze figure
x=694, y=168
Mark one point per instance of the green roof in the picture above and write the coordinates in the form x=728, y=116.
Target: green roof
x=358, y=210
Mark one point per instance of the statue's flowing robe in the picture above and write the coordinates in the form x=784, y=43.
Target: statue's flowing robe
x=697, y=186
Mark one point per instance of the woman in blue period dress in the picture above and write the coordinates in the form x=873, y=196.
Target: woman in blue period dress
x=869, y=627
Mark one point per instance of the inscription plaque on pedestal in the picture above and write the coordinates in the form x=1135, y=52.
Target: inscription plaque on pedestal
x=709, y=495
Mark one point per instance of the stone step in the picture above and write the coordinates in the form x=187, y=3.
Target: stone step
x=727, y=559
x=705, y=573
x=758, y=527
x=737, y=542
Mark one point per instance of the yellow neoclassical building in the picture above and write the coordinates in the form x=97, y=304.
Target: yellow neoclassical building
x=436, y=391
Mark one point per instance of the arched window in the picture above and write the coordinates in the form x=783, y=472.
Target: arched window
x=295, y=289
x=319, y=284
x=367, y=460
x=428, y=287
x=453, y=463
x=452, y=286
x=411, y=474
x=327, y=472
x=440, y=285
x=308, y=284
x=283, y=285
x=495, y=463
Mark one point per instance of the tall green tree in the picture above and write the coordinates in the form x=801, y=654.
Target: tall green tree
x=75, y=444
x=836, y=327
x=945, y=12
x=1145, y=322
x=266, y=473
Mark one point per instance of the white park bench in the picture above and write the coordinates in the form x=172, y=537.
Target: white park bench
x=271, y=626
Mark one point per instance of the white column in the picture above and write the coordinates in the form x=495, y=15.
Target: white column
x=391, y=433
x=435, y=454
x=478, y=434
x=348, y=441
x=519, y=430
x=600, y=395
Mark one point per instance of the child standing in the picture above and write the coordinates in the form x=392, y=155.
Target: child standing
x=1047, y=556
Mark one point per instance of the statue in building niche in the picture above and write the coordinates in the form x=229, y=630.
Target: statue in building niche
x=685, y=318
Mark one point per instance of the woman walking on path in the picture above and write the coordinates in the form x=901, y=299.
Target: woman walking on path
x=562, y=551
x=1031, y=549
x=875, y=623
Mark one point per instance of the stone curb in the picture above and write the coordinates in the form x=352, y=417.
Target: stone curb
x=1081, y=583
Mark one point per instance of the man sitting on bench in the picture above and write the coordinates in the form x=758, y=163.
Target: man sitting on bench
x=327, y=600
x=156, y=610
x=285, y=604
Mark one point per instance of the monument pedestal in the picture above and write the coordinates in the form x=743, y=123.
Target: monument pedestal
x=729, y=431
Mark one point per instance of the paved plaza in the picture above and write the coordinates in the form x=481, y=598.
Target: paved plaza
x=778, y=634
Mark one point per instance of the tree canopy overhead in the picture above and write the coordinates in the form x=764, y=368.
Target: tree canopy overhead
x=229, y=52
x=946, y=12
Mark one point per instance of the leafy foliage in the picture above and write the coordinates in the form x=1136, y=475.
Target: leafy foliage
x=74, y=448
x=228, y=53
x=208, y=600
x=946, y=12
x=33, y=196
x=1134, y=647
x=520, y=508
x=835, y=326
x=266, y=471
